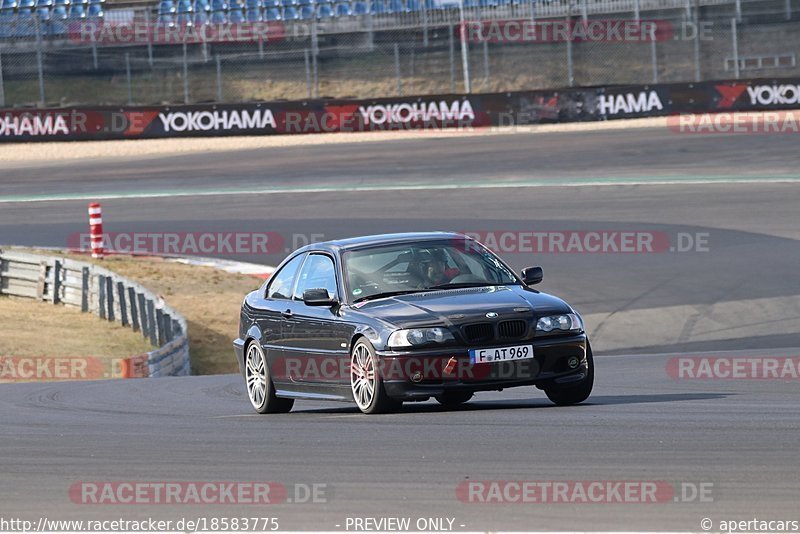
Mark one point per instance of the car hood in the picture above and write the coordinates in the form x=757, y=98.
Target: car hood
x=458, y=306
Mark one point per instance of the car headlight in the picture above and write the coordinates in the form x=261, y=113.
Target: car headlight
x=568, y=322
x=413, y=337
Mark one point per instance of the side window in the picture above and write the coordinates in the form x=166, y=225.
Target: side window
x=281, y=285
x=318, y=271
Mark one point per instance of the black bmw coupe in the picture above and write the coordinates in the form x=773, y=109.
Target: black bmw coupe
x=384, y=319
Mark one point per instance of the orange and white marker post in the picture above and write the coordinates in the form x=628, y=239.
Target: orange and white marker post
x=96, y=229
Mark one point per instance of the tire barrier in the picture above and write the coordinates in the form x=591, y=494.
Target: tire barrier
x=111, y=297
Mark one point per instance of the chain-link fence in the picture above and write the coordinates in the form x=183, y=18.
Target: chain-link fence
x=514, y=46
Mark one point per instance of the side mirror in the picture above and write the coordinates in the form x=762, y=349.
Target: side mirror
x=318, y=297
x=532, y=275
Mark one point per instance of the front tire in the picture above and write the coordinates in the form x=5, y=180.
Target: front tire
x=575, y=393
x=366, y=383
x=260, y=389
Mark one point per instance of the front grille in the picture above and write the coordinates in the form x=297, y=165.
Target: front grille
x=512, y=329
x=479, y=332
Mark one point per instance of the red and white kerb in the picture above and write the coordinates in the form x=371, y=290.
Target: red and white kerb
x=96, y=229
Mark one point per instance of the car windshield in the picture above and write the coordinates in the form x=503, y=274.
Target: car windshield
x=414, y=267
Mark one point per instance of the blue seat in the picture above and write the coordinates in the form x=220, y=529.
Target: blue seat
x=200, y=18
x=272, y=13
x=219, y=5
x=95, y=11
x=396, y=6
x=166, y=7
x=487, y=3
x=343, y=10
x=77, y=11
x=377, y=7
x=235, y=4
x=202, y=6
x=26, y=4
x=185, y=6
x=8, y=4
x=324, y=11
x=412, y=5
x=236, y=16
x=218, y=17
x=253, y=15
x=254, y=5
x=307, y=12
x=360, y=8
x=290, y=13
x=185, y=20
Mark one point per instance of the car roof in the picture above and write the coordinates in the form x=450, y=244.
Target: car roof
x=380, y=239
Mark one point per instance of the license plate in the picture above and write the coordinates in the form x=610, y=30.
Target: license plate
x=501, y=354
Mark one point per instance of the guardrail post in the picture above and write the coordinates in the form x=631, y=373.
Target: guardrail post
x=168, y=327
x=57, y=269
x=307, y=61
x=101, y=300
x=151, y=312
x=110, y=297
x=85, y=289
x=134, y=310
x=397, y=69
x=160, y=324
x=185, y=75
x=143, y=314
x=123, y=311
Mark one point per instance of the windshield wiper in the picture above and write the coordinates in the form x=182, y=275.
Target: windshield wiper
x=462, y=284
x=387, y=294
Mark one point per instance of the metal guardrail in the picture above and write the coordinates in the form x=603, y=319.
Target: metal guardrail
x=112, y=297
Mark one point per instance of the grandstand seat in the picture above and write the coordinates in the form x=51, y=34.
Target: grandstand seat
x=200, y=18
x=325, y=11
x=235, y=4
x=8, y=5
x=97, y=1
x=501, y=3
x=166, y=7
x=185, y=20
x=306, y=12
x=253, y=15
x=95, y=11
x=219, y=5
x=77, y=11
x=290, y=13
x=202, y=6
x=305, y=2
x=236, y=16
x=471, y=3
x=254, y=5
x=272, y=13
x=42, y=14
x=412, y=5
x=396, y=6
x=25, y=24
x=342, y=9
x=26, y=4
x=360, y=8
x=377, y=7
x=185, y=6
x=218, y=17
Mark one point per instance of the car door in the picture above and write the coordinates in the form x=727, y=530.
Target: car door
x=277, y=296
x=316, y=339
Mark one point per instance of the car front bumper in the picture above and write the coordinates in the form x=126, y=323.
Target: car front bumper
x=417, y=375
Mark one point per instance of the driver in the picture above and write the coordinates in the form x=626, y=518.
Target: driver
x=436, y=270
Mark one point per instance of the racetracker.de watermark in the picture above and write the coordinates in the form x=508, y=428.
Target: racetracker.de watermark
x=752, y=122
x=734, y=367
x=197, y=492
x=590, y=241
x=45, y=368
x=582, y=492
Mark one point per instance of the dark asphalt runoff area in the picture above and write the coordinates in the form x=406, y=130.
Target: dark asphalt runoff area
x=733, y=291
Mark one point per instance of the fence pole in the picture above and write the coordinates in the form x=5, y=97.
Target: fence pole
x=149, y=38
x=735, y=39
x=654, y=57
x=739, y=10
x=397, y=69
x=452, y=46
x=584, y=12
x=2, y=88
x=185, y=76
x=636, y=14
x=219, y=77
x=486, y=73
x=533, y=12
x=128, y=77
x=40, y=69
x=314, y=54
x=788, y=9
x=696, y=44
x=464, y=47
x=424, y=24
x=307, y=61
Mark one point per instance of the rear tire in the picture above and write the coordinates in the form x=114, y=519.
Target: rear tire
x=366, y=382
x=260, y=389
x=577, y=392
x=451, y=399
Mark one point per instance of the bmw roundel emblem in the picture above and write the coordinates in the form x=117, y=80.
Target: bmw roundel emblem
x=491, y=315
